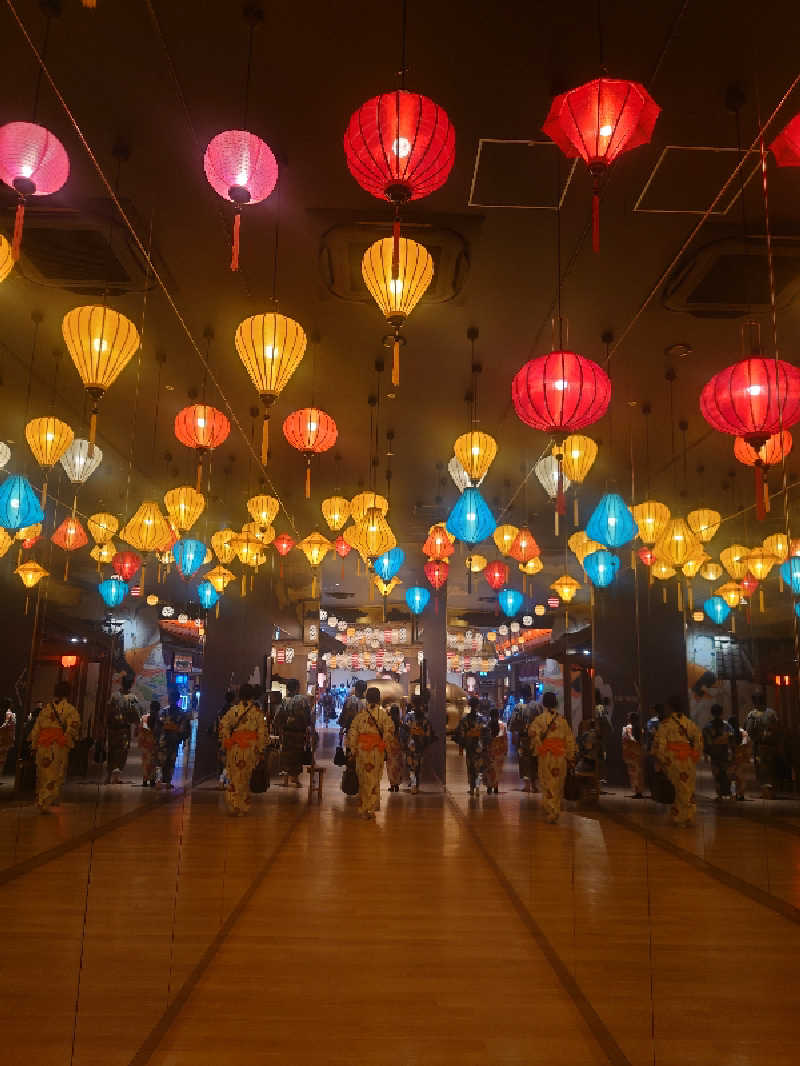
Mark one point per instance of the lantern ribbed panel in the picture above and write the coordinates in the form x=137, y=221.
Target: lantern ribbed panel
x=335, y=511
x=315, y=547
x=651, y=517
x=310, y=430
x=732, y=558
x=397, y=298
x=201, y=426
x=102, y=526
x=78, y=464
x=677, y=543
x=578, y=456
x=752, y=399
x=546, y=470
x=126, y=564
x=5, y=542
x=147, y=528
x=786, y=146
x=439, y=543
x=777, y=545
x=611, y=522
x=417, y=599
x=184, y=505
x=565, y=587
x=388, y=564
x=207, y=594
x=759, y=562
x=34, y=154
x=188, y=555
x=263, y=509
x=6, y=259
x=100, y=342
x=476, y=564
x=524, y=547
x=471, y=521
x=48, y=438
x=239, y=159
x=496, y=574
x=711, y=571
x=461, y=478
x=601, y=119
x=283, y=543
x=104, y=553
x=31, y=573
x=19, y=504
x=601, y=567
x=436, y=572
x=560, y=392
x=704, y=523
x=70, y=535
x=341, y=547
x=717, y=609
x=772, y=451
x=533, y=566
x=220, y=577
x=270, y=346
x=365, y=501
x=504, y=536
x=511, y=601
x=113, y=591
x=400, y=146
x=224, y=544
x=476, y=452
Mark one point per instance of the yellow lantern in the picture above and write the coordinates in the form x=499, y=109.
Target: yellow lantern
x=698, y=616
x=335, y=511
x=565, y=587
x=578, y=454
x=504, y=536
x=315, y=547
x=365, y=501
x=691, y=566
x=476, y=563
x=777, y=545
x=248, y=550
x=476, y=452
x=533, y=566
x=152, y=600
x=102, y=526
x=759, y=563
x=662, y=570
x=101, y=343
x=259, y=532
x=396, y=284
x=731, y=593
x=385, y=587
x=711, y=571
x=5, y=542
x=539, y=610
x=581, y=545
x=371, y=537
x=732, y=559
x=677, y=544
x=704, y=523
x=651, y=517
x=103, y=553
x=147, y=528
x=220, y=577
x=6, y=259
x=48, y=439
x=224, y=544
x=29, y=532
x=263, y=509
x=31, y=573
x=271, y=347
x=184, y=505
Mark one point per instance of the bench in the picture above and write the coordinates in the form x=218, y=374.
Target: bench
x=316, y=777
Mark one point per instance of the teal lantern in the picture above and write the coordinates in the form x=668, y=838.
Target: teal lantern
x=471, y=521
x=717, y=609
x=387, y=565
x=113, y=590
x=417, y=599
x=188, y=555
x=790, y=572
x=601, y=567
x=19, y=504
x=611, y=523
x=207, y=594
x=510, y=600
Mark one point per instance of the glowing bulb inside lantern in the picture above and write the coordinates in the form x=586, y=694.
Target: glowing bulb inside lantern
x=754, y=390
x=312, y=427
x=396, y=286
x=49, y=436
x=271, y=351
x=677, y=536
x=605, y=131
x=100, y=345
x=559, y=385
x=576, y=454
x=471, y=516
x=401, y=147
x=26, y=170
x=241, y=179
x=201, y=422
x=476, y=449
x=14, y=502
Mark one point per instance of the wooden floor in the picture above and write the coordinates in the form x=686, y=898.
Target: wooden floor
x=142, y=928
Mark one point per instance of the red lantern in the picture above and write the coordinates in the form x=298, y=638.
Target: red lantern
x=33, y=162
x=496, y=574
x=599, y=121
x=310, y=431
x=342, y=549
x=68, y=661
x=70, y=535
x=553, y=602
x=786, y=146
x=524, y=547
x=560, y=392
x=283, y=544
x=647, y=555
x=126, y=564
x=436, y=572
x=203, y=428
x=748, y=584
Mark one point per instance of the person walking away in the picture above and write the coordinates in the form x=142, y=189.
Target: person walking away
x=8, y=727
x=147, y=743
x=553, y=743
x=352, y=705
x=468, y=734
x=123, y=712
x=370, y=731
x=521, y=718
x=395, y=755
x=717, y=738
x=763, y=729
x=419, y=735
x=677, y=747
x=633, y=753
x=54, y=732
x=497, y=751
x=243, y=735
x=174, y=731
x=741, y=758
x=293, y=725
x=653, y=722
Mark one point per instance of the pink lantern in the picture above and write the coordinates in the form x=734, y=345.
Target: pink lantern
x=240, y=167
x=33, y=162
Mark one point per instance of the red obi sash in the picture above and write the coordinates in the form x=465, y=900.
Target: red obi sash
x=371, y=741
x=553, y=746
x=242, y=738
x=51, y=735
x=682, y=750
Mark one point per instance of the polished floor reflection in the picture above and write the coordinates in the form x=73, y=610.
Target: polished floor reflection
x=151, y=928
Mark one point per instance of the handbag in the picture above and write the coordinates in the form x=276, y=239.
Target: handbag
x=259, y=779
x=339, y=758
x=662, y=788
x=573, y=787
x=350, y=780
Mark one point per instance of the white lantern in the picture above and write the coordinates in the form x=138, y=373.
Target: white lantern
x=5, y=453
x=341, y=625
x=527, y=620
x=333, y=621
x=459, y=475
x=546, y=471
x=323, y=614
x=78, y=463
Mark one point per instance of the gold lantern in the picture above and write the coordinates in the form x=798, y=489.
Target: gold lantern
x=5, y=542
x=263, y=509
x=31, y=573
x=220, y=577
x=732, y=559
x=759, y=563
x=335, y=511
x=662, y=570
x=265, y=534
x=704, y=523
x=6, y=259
x=147, y=528
x=396, y=284
x=777, y=545
x=539, y=610
x=565, y=587
x=504, y=537
x=731, y=593
x=152, y=600
x=692, y=566
x=476, y=452
x=29, y=532
x=385, y=587
x=371, y=537
x=48, y=439
x=184, y=505
x=581, y=545
x=365, y=501
x=651, y=517
x=698, y=616
x=103, y=553
x=248, y=550
x=271, y=347
x=224, y=544
x=711, y=571
x=533, y=566
x=578, y=454
x=315, y=547
x=476, y=563
x=101, y=343
x=677, y=544
x=102, y=526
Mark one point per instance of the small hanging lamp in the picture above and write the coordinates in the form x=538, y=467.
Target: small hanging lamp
x=19, y=504
x=78, y=464
x=732, y=558
x=439, y=543
x=126, y=564
x=716, y=609
x=704, y=523
x=207, y=595
x=113, y=591
x=711, y=571
x=388, y=564
x=33, y=162
x=524, y=548
x=48, y=439
x=220, y=577
x=223, y=542
x=242, y=169
x=511, y=601
x=311, y=431
x=471, y=521
x=147, y=529
x=188, y=555
x=566, y=588
x=651, y=517
x=70, y=535
x=335, y=511
x=611, y=523
x=578, y=454
x=184, y=506
x=496, y=574
x=601, y=567
x=504, y=536
x=31, y=573
x=417, y=599
x=202, y=428
x=476, y=452
x=677, y=543
x=263, y=509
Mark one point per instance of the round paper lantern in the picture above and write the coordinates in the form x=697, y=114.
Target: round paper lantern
x=731, y=593
x=777, y=545
x=790, y=572
x=524, y=548
x=335, y=511
x=651, y=517
x=601, y=567
x=578, y=456
x=101, y=343
x=716, y=609
x=283, y=544
x=476, y=564
x=48, y=439
x=417, y=599
x=533, y=566
x=759, y=562
x=311, y=431
x=711, y=571
x=496, y=574
x=270, y=347
x=611, y=522
x=31, y=573
x=436, y=572
x=6, y=259
x=599, y=121
x=78, y=464
x=504, y=536
x=732, y=559
x=220, y=577
x=476, y=452
x=560, y=392
x=471, y=521
x=207, y=594
x=566, y=588
x=70, y=535
x=113, y=591
x=184, y=505
x=33, y=162
x=388, y=564
x=102, y=526
x=126, y=564
x=439, y=544
x=704, y=523
x=510, y=600
x=202, y=428
x=188, y=555
x=152, y=600
x=677, y=544
x=241, y=168
x=147, y=529
x=19, y=504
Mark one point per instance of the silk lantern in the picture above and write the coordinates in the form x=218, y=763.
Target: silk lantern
x=677, y=543
x=651, y=517
x=5, y=542
x=207, y=594
x=475, y=563
x=711, y=571
x=202, y=428
x=103, y=553
x=565, y=587
x=367, y=501
x=220, y=577
x=578, y=454
x=5, y=454
x=774, y=450
x=611, y=522
x=388, y=564
x=777, y=545
x=113, y=591
x=184, y=506
x=471, y=521
x=551, y=477
x=311, y=431
x=6, y=259
x=283, y=544
x=504, y=536
x=223, y=543
x=385, y=588
x=19, y=504
x=496, y=574
x=264, y=534
x=760, y=562
x=560, y=392
x=335, y=511
x=417, y=599
x=263, y=509
x=510, y=600
x=33, y=162
x=48, y=438
x=704, y=523
x=601, y=567
x=786, y=146
x=732, y=558
x=476, y=452
x=147, y=529
x=78, y=464
x=662, y=570
x=716, y=609
x=31, y=573
x=126, y=564
x=731, y=593
x=315, y=547
x=102, y=526
x=647, y=555
x=532, y=567
x=524, y=547
x=188, y=555
x=242, y=169
x=461, y=478
x=70, y=535
x=438, y=544
x=436, y=572
x=790, y=572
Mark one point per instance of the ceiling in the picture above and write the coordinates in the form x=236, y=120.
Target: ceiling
x=163, y=78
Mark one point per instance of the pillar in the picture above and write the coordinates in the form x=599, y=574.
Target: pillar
x=434, y=647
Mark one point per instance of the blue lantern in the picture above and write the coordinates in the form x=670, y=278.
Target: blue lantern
x=19, y=504
x=797, y=609
x=717, y=609
x=189, y=555
x=113, y=590
x=387, y=565
x=602, y=567
x=510, y=600
x=611, y=523
x=417, y=599
x=471, y=521
x=790, y=572
x=207, y=594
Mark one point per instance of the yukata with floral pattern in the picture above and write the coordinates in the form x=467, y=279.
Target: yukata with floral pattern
x=677, y=747
x=418, y=737
x=469, y=734
x=54, y=732
x=553, y=743
x=496, y=751
x=395, y=752
x=243, y=735
x=371, y=729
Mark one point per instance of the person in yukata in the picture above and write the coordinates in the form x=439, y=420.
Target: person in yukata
x=553, y=743
x=123, y=712
x=763, y=728
x=496, y=751
x=418, y=737
x=370, y=730
x=174, y=731
x=293, y=725
x=148, y=745
x=741, y=758
x=521, y=718
x=395, y=753
x=243, y=735
x=468, y=734
x=54, y=732
x=677, y=747
x=717, y=738
x=633, y=753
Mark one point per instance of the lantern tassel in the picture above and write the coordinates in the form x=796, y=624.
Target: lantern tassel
x=237, y=218
x=308, y=480
x=216, y=611
x=44, y=493
x=761, y=600
x=690, y=597
x=555, y=516
x=396, y=362
x=664, y=594
x=596, y=220
x=265, y=440
x=199, y=474
x=766, y=493
x=576, y=518
x=436, y=603
x=66, y=568
x=680, y=597
x=19, y=220
x=561, y=503
x=244, y=584
x=759, y=492
x=469, y=579
x=92, y=431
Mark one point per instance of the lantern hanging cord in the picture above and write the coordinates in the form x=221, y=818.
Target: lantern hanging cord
x=43, y=53
x=160, y=281
x=558, y=253
x=275, y=247
x=139, y=360
x=403, y=33
x=37, y=321
x=252, y=17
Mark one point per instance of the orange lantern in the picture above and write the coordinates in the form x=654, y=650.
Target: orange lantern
x=311, y=431
x=439, y=545
x=524, y=547
x=202, y=428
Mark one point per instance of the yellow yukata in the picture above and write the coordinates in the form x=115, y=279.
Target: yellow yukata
x=364, y=738
x=54, y=732
x=553, y=742
x=147, y=746
x=243, y=733
x=677, y=747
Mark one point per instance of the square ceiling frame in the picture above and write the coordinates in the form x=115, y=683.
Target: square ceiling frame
x=471, y=202
x=687, y=211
